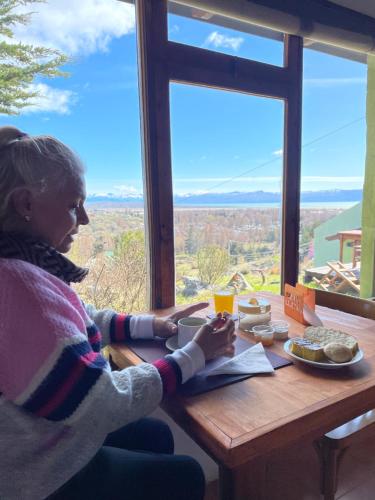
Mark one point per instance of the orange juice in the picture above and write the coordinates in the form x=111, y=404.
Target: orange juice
x=223, y=300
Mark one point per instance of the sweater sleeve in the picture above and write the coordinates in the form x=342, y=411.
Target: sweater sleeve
x=174, y=369
x=47, y=365
x=116, y=327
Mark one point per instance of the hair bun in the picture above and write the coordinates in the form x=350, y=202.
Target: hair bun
x=9, y=134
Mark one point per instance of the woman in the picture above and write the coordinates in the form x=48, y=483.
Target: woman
x=69, y=427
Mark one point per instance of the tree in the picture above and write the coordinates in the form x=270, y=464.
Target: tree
x=191, y=242
x=213, y=263
x=118, y=281
x=21, y=63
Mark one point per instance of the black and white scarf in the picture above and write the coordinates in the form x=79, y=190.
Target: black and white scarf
x=34, y=251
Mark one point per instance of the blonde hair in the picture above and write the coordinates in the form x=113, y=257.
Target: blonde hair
x=38, y=163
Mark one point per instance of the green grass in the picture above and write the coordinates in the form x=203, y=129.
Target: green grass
x=272, y=284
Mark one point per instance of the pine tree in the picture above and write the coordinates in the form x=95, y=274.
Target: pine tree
x=21, y=63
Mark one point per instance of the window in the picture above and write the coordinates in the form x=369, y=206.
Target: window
x=227, y=171
x=194, y=66
x=199, y=28
x=333, y=170
x=95, y=111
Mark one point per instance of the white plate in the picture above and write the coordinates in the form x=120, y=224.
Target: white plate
x=171, y=343
x=329, y=365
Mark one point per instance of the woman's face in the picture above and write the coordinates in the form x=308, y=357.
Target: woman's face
x=57, y=214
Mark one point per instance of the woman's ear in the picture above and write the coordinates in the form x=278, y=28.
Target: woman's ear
x=22, y=202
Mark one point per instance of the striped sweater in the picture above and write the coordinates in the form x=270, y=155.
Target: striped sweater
x=59, y=398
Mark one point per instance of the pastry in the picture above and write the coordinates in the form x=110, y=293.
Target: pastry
x=324, y=336
x=339, y=353
x=313, y=352
x=297, y=346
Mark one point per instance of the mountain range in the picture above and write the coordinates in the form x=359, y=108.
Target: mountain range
x=235, y=197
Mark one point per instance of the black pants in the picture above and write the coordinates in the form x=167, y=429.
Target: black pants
x=137, y=463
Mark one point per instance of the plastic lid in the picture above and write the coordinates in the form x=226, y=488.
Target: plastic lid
x=261, y=307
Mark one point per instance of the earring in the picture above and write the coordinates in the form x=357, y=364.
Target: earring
x=27, y=218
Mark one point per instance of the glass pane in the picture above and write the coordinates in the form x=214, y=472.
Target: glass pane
x=227, y=167
x=333, y=167
x=195, y=27
x=95, y=111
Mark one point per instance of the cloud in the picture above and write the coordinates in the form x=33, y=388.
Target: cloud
x=218, y=40
x=127, y=190
x=278, y=152
x=174, y=29
x=332, y=179
x=77, y=27
x=50, y=100
x=196, y=191
x=334, y=82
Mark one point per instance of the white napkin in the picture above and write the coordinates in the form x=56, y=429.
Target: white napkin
x=311, y=317
x=253, y=360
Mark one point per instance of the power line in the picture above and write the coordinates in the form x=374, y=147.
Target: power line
x=268, y=162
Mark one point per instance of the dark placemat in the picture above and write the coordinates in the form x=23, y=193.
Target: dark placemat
x=150, y=350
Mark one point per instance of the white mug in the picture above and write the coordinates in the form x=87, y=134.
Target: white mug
x=187, y=327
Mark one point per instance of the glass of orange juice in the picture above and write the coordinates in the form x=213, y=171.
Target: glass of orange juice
x=224, y=300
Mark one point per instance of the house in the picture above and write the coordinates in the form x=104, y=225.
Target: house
x=324, y=249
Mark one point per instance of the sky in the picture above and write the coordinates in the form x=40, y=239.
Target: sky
x=221, y=141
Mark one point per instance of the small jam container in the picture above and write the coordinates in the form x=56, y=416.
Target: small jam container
x=257, y=312
x=264, y=334
x=281, y=328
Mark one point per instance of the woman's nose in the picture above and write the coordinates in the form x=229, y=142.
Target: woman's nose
x=83, y=217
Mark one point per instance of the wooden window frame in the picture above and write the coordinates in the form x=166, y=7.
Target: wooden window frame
x=161, y=62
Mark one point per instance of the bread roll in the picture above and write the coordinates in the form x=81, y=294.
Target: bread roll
x=339, y=353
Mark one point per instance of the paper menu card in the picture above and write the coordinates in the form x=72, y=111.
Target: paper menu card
x=253, y=360
x=295, y=300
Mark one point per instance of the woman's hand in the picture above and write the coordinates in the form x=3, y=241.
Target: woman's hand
x=216, y=337
x=167, y=327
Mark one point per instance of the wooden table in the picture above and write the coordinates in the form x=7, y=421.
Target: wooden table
x=241, y=424
x=352, y=235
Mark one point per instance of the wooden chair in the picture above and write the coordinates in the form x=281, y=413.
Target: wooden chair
x=339, y=278
x=328, y=282
x=357, y=250
x=332, y=446
x=348, y=277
